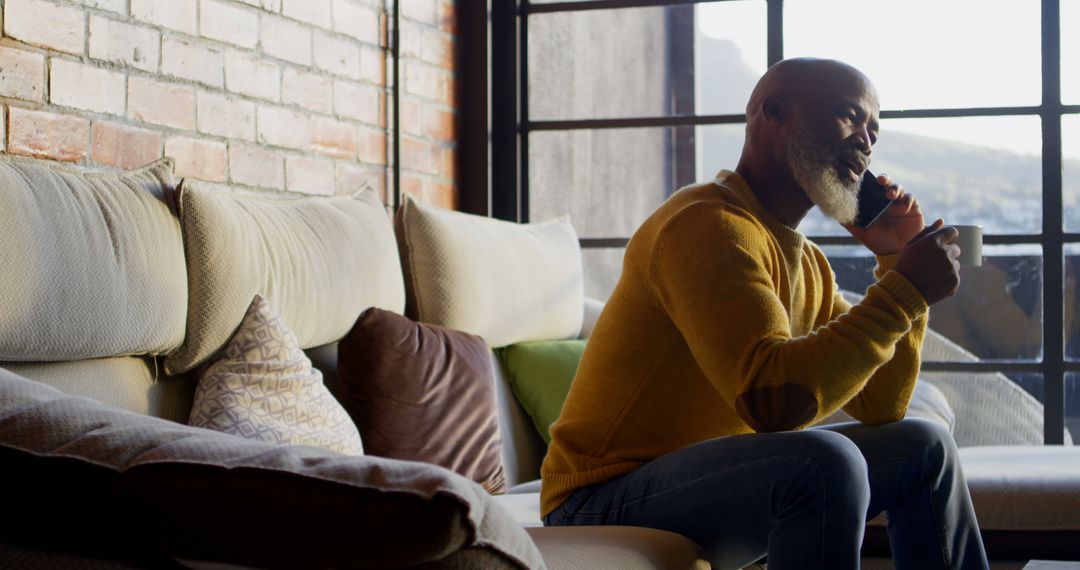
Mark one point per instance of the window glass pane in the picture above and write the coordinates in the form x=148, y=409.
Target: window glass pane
x=718, y=148
x=996, y=314
x=971, y=170
x=731, y=54
x=1071, y=300
x=602, y=269
x=1070, y=149
x=1072, y=405
x=644, y=62
x=1070, y=51
x=608, y=180
x=926, y=53
x=993, y=408
x=598, y=63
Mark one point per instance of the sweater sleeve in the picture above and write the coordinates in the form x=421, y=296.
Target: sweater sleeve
x=886, y=395
x=716, y=273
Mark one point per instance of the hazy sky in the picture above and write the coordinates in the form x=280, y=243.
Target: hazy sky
x=926, y=54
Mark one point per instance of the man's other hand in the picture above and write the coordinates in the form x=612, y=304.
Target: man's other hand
x=898, y=225
x=930, y=262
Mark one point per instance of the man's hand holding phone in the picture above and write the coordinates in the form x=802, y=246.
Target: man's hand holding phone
x=899, y=222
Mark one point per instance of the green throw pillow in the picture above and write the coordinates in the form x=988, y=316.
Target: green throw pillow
x=540, y=374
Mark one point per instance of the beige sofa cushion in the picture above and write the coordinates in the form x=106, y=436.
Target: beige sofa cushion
x=261, y=386
x=135, y=383
x=320, y=261
x=505, y=282
x=1026, y=488
x=93, y=264
x=96, y=480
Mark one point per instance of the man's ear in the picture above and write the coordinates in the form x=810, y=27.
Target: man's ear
x=775, y=109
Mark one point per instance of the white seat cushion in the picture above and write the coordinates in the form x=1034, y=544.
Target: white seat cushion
x=1025, y=488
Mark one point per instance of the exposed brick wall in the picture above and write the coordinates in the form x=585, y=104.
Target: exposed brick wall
x=278, y=95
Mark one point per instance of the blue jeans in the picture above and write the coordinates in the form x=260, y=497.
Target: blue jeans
x=800, y=497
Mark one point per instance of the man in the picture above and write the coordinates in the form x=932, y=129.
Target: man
x=726, y=335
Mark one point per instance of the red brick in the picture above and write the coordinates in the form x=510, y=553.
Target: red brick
x=123, y=146
x=47, y=135
x=284, y=127
x=438, y=49
x=372, y=146
x=448, y=165
x=309, y=175
x=427, y=81
x=425, y=11
x=161, y=103
x=256, y=166
x=354, y=101
x=447, y=17
x=440, y=194
x=352, y=178
x=336, y=55
x=421, y=156
x=333, y=138
x=411, y=42
x=252, y=76
x=412, y=117
x=308, y=90
x=39, y=23
x=225, y=116
x=22, y=74
x=413, y=186
x=285, y=39
x=120, y=43
x=439, y=124
x=200, y=159
x=315, y=12
x=192, y=61
x=86, y=87
x=373, y=66
x=179, y=15
x=360, y=22
x=116, y=6
x=229, y=23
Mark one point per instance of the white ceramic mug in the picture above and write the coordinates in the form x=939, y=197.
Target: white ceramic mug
x=970, y=242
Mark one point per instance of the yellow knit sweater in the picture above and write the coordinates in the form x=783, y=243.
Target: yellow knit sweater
x=724, y=322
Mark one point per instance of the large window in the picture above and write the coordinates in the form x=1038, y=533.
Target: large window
x=603, y=108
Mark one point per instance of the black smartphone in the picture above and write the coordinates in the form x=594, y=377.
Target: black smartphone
x=872, y=200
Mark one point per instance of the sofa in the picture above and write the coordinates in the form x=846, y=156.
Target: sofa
x=122, y=291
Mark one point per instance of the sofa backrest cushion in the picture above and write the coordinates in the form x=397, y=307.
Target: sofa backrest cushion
x=320, y=261
x=423, y=393
x=502, y=281
x=123, y=484
x=540, y=374
x=92, y=263
x=133, y=383
x=262, y=386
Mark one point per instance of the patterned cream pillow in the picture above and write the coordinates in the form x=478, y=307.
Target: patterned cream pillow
x=263, y=387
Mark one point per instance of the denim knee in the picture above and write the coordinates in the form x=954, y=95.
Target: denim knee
x=841, y=464
x=929, y=439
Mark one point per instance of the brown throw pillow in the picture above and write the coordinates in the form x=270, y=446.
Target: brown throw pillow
x=424, y=393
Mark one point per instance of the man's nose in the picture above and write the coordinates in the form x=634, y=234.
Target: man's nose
x=862, y=138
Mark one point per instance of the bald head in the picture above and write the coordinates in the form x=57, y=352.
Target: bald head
x=810, y=127
x=804, y=79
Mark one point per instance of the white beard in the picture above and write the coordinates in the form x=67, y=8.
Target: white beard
x=814, y=167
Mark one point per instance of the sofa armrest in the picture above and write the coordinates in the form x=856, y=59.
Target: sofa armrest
x=593, y=307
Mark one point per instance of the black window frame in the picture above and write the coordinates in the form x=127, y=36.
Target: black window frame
x=495, y=142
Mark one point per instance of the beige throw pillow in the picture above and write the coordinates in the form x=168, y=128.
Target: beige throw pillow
x=263, y=387
x=91, y=264
x=321, y=261
x=502, y=281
